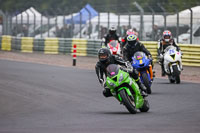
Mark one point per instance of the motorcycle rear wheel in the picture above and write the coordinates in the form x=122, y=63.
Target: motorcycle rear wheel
x=129, y=104
x=145, y=106
x=146, y=82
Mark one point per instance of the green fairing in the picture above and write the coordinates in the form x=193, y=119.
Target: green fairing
x=112, y=84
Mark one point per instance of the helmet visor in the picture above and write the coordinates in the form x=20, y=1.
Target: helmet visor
x=167, y=37
x=103, y=56
x=112, y=31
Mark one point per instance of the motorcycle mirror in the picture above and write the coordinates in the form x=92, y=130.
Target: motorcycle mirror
x=120, y=39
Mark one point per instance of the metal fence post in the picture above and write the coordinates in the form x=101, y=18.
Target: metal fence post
x=64, y=20
x=99, y=25
x=153, y=21
x=3, y=16
x=177, y=19
x=34, y=21
x=191, y=24
x=80, y=24
x=21, y=19
x=90, y=25
x=164, y=14
x=16, y=24
x=129, y=20
x=27, y=23
x=108, y=21
x=11, y=25
x=177, y=26
x=6, y=24
x=141, y=19
x=118, y=25
x=72, y=23
x=48, y=23
x=56, y=23
x=41, y=27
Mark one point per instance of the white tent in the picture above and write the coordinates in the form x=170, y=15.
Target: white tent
x=29, y=16
x=184, y=17
x=113, y=19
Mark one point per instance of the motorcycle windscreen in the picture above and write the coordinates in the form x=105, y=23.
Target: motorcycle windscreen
x=113, y=43
x=170, y=48
x=112, y=70
x=138, y=55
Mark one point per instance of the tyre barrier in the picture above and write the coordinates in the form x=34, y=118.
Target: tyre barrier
x=85, y=47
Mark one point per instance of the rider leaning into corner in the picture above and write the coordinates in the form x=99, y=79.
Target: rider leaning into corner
x=105, y=59
x=163, y=43
x=112, y=35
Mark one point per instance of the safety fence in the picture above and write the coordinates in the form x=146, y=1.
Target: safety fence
x=85, y=47
x=149, y=22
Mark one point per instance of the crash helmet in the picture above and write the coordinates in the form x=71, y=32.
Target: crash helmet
x=104, y=55
x=131, y=39
x=112, y=30
x=130, y=32
x=167, y=36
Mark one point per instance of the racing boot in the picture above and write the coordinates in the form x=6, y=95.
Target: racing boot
x=107, y=93
x=154, y=75
x=142, y=88
x=162, y=70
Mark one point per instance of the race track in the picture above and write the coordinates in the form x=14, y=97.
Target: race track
x=37, y=98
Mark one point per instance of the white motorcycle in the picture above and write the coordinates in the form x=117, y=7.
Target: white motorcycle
x=172, y=64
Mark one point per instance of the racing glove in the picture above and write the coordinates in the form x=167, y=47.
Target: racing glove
x=150, y=57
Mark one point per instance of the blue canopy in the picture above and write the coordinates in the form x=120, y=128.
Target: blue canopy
x=83, y=15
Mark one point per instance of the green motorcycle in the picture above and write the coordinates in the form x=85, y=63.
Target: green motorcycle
x=125, y=89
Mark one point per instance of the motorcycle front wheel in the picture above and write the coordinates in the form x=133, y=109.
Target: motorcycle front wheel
x=171, y=79
x=129, y=104
x=176, y=74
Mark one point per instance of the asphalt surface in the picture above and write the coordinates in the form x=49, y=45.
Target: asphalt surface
x=37, y=98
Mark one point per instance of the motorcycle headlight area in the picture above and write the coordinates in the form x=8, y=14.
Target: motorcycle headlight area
x=111, y=84
x=134, y=62
x=121, y=78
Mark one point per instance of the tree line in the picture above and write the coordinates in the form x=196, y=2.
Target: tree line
x=57, y=7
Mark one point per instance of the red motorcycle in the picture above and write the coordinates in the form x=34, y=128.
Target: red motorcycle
x=114, y=47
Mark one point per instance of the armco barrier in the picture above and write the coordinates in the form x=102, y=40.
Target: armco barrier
x=65, y=45
x=152, y=47
x=6, y=43
x=191, y=53
x=27, y=44
x=51, y=46
x=81, y=46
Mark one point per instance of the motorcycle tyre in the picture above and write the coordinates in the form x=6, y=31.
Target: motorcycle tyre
x=170, y=79
x=145, y=107
x=176, y=74
x=128, y=102
x=146, y=83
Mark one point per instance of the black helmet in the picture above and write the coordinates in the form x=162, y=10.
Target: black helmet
x=112, y=30
x=104, y=55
